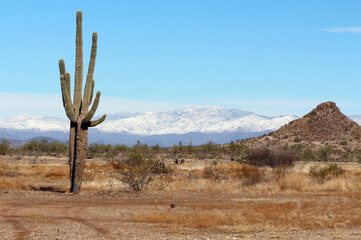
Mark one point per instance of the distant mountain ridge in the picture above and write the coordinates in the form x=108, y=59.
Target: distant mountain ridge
x=202, y=124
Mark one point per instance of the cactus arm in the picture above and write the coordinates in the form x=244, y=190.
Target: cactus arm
x=78, y=62
x=64, y=73
x=67, y=100
x=89, y=79
x=67, y=85
x=92, y=91
x=97, y=122
x=67, y=81
x=91, y=112
x=62, y=67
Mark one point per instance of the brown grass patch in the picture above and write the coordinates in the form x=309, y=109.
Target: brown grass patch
x=264, y=215
x=201, y=220
x=12, y=183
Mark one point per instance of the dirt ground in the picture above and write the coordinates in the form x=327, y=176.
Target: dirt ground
x=247, y=213
x=49, y=215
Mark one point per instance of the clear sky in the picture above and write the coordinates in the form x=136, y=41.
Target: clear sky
x=269, y=57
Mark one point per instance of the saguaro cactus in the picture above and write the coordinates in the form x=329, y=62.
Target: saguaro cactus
x=78, y=110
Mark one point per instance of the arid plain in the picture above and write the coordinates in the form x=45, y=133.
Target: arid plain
x=196, y=200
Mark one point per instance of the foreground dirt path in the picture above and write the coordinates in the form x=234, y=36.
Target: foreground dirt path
x=48, y=215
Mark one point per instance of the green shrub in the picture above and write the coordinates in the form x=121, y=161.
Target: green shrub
x=324, y=154
x=307, y=155
x=325, y=173
x=344, y=142
x=4, y=147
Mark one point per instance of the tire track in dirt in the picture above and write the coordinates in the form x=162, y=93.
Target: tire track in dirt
x=85, y=222
x=21, y=232
x=7, y=211
x=78, y=210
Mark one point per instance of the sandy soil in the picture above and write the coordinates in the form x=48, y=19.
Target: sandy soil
x=49, y=215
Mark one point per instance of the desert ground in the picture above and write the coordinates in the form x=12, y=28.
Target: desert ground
x=196, y=200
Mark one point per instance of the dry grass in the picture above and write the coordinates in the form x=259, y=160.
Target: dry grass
x=261, y=215
x=11, y=183
x=224, y=177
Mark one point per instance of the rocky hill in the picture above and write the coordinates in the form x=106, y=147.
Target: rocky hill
x=324, y=123
x=325, y=130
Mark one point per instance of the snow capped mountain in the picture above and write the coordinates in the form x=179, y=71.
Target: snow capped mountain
x=194, y=119
x=180, y=121
x=35, y=123
x=202, y=124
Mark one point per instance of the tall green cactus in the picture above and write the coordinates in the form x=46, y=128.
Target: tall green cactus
x=78, y=110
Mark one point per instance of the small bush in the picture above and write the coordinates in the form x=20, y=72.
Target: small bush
x=297, y=139
x=325, y=173
x=208, y=172
x=160, y=168
x=250, y=175
x=272, y=158
x=307, y=155
x=344, y=142
x=135, y=172
x=324, y=154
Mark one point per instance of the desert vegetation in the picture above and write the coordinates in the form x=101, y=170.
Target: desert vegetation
x=215, y=190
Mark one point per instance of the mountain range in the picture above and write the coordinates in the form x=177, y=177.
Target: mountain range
x=166, y=128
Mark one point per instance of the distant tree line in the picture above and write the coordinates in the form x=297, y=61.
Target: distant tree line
x=235, y=151
x=34, y=147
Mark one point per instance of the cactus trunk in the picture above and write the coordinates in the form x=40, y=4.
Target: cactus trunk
x=79, y=157
x=78, y=110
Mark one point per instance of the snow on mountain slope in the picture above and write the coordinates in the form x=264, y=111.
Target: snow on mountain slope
x=194, y=119
x=180, y=121
x=37, y=123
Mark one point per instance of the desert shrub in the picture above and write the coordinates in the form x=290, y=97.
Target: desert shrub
x=250, y=175
x=160, y=168
x=238, y=152
x=279, y=173
x=208, y=172
x=135, y=171
x=344, y=142
x=325, y=173
x=307, y=155
x=297, y=139
x=156, y=148
x=324, y=153
x=270, y=157
x=4, y=147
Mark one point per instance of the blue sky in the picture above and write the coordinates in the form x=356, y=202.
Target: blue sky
x=270, y=57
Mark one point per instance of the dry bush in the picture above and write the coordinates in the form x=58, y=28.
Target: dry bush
x=271, y=157
x=294, y=181
x=208, y=172
x=134, y=174
x=250, y=175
